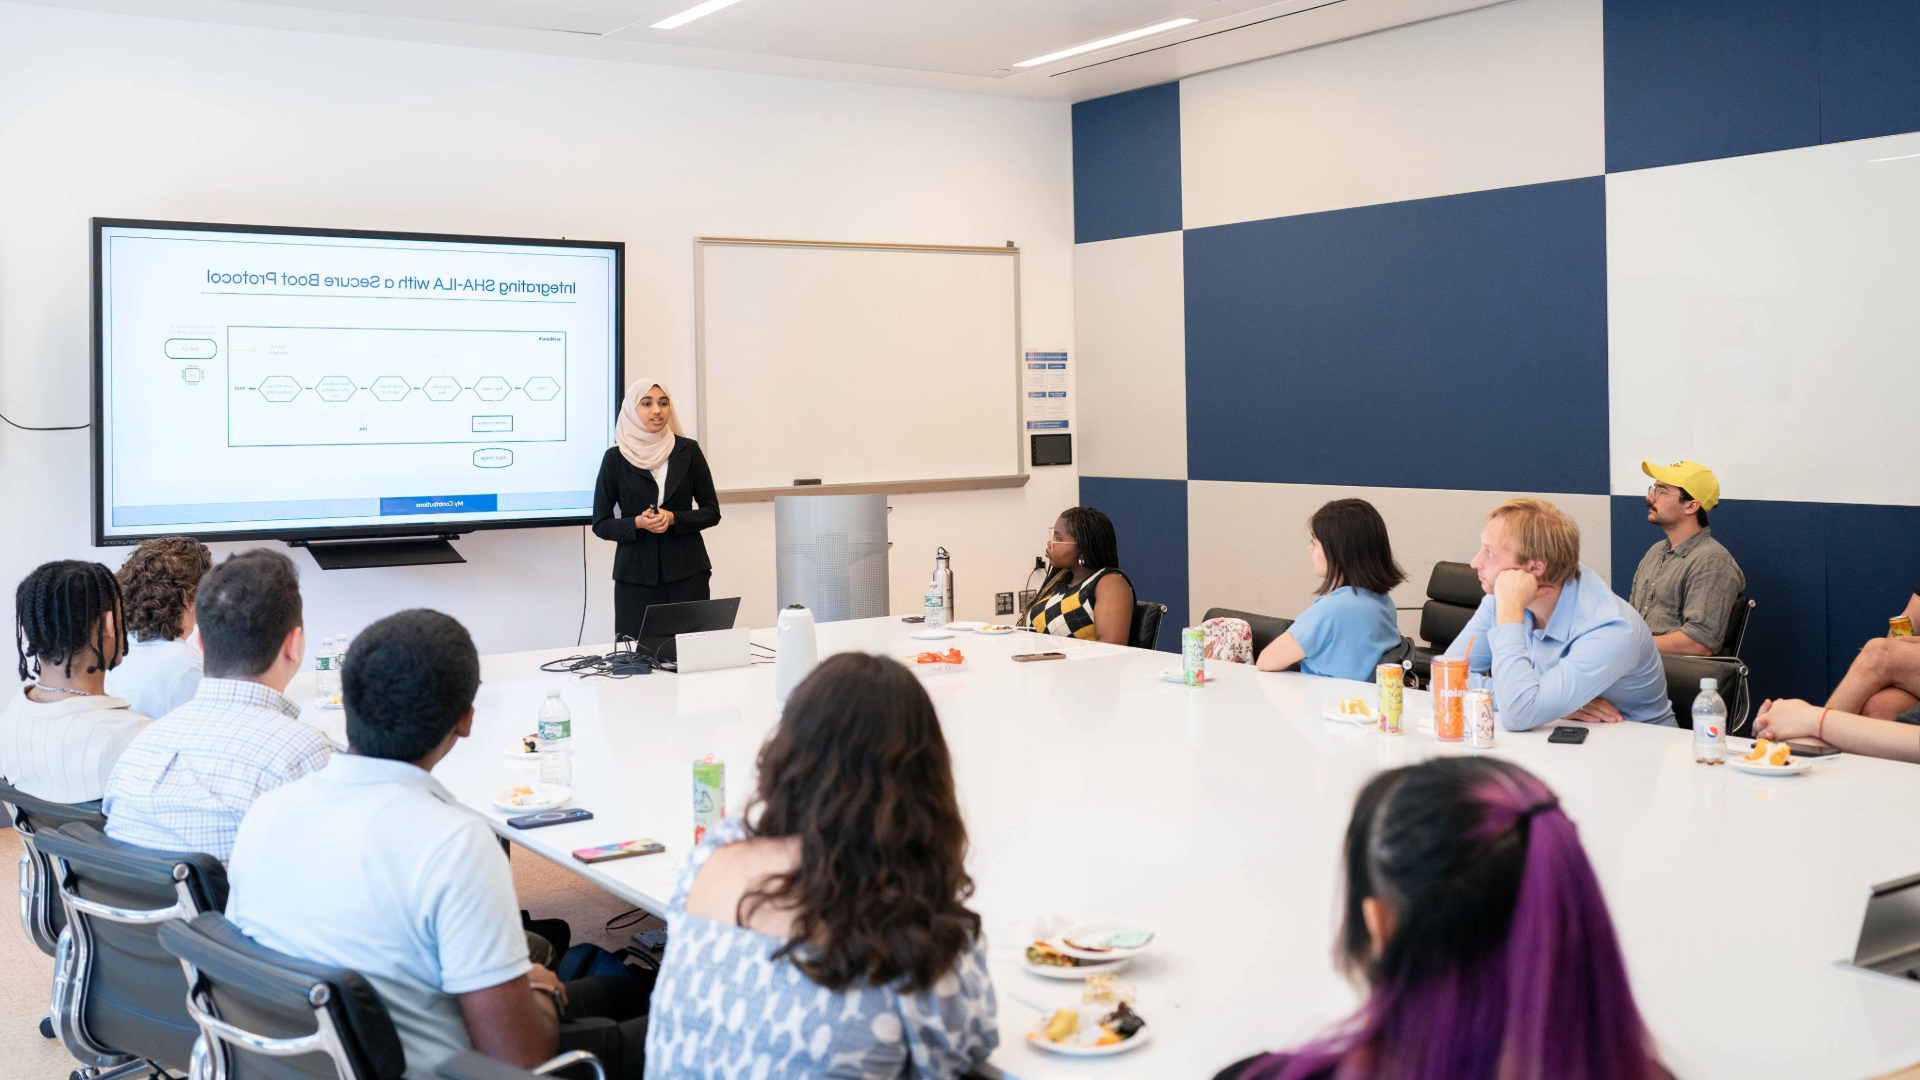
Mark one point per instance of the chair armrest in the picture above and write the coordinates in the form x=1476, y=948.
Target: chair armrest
x=984, y=1071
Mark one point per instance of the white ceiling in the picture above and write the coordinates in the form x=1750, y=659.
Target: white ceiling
x=963, y=45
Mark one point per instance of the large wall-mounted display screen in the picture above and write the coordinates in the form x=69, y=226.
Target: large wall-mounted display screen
x=303, y=384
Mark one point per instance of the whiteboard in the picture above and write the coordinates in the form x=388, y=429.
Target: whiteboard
x=856, y=364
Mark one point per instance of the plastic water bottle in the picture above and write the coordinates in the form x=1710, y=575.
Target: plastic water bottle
x=555, y=741
x=326, y=683
x=1709, y=724
x=340, y=643
x=936, y=605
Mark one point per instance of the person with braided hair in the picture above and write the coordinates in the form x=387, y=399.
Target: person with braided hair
x=61, y=735
x=163, y=666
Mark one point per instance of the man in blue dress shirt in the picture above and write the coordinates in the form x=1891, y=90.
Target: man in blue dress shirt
x=1560, y=645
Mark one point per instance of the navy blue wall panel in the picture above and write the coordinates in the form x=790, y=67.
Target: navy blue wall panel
x=1150, y=522
x=1782, y=549
x=1689, y=80
x=1873, y=557
x=1126, y=164
x=1869, y=68
x=1455, y=342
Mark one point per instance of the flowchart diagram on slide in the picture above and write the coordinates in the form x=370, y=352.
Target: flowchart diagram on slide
x=353, y=386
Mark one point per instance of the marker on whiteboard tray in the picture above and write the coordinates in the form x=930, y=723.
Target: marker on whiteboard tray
x=806, y=483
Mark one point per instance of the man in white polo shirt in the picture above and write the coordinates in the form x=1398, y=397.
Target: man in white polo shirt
x=370, y=864
x=62, y=733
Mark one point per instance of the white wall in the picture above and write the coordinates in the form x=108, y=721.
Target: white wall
x=109, y=115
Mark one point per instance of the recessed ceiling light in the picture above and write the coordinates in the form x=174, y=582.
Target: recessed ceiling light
x=692, y=13
x=1145, y=31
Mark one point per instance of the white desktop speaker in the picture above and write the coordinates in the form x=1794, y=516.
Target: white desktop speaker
x=795, y=652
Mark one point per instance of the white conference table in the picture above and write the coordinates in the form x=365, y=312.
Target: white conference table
x=1093, y=789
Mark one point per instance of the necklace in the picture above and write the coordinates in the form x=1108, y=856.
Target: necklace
x=38, y=685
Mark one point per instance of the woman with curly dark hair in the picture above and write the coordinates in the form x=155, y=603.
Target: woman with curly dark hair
x=163, y=667
x=832, y=915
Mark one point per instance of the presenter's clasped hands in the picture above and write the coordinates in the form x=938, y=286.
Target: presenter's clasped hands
x=654, y=521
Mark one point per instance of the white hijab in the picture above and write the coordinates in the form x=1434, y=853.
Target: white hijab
x=645, y=449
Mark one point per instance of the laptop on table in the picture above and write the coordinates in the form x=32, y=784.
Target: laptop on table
x=716, y=641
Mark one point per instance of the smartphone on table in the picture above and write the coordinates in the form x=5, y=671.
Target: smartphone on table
x=549, y=817
x=625, y=850
x=1028, y=658
x=1566, y=734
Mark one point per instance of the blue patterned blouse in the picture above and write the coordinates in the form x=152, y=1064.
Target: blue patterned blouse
x=723, y=1008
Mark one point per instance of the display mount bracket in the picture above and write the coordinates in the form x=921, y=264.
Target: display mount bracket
x=382, y=551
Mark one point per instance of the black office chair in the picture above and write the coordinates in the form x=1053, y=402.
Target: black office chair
x=1265, y=627
x=1453, y=595
x=264, y=1015
x=1145, y=631
x=1683, y=685
x=41, y=915
x=1736, y=634
x=119, y=1002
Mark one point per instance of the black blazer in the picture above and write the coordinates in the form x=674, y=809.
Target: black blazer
x=644, y=558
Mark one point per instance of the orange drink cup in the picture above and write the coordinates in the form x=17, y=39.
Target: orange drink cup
x=1449, y=682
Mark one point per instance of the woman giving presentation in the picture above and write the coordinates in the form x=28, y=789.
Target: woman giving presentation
x=644, y=501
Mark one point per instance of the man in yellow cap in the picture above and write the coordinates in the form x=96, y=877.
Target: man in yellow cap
x=1687, y=584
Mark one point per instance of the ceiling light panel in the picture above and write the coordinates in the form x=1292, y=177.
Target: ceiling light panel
x=1108, y=42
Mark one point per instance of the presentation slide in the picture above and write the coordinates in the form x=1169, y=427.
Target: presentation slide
x=286, y=384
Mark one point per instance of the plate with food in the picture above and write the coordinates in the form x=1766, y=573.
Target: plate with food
x=1351, y=710
x=1771, y=759
x=1044, y=960
x=995, y=629
x=934, y=634
x=521, y=798
x=937, y=663
x=965, y=625
x=1179, y=675
x=1108, y=939
x=1096, y=1031
x=526, y=748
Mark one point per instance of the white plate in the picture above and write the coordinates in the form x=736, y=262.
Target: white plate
x=520, y=754
x=545, y=797
x=995, y=629
x=968, y=626
x=1792, y=768
x=1091, y=967
x=1367, y=719
x=1074, y=1050
x=1176, y=675
x=1093, y=931
x=935, y=634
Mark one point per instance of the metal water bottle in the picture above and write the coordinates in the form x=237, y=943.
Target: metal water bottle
x=943, y=579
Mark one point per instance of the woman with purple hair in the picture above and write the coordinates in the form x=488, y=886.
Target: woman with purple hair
x=1477, y=926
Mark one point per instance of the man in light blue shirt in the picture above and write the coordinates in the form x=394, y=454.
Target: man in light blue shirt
x=1558, y=642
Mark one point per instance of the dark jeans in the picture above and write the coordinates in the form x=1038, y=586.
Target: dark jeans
x=606, y=1014
x=630, y=601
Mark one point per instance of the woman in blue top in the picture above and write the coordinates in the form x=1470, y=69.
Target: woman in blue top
x=1352, y=624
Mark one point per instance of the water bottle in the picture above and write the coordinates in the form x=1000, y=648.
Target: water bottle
x=340, y=643
x=1709, y=724
x=936, y=605
x=943, y=577
x=555, y=741
x=326, y=684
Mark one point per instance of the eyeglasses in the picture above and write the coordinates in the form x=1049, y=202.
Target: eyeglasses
x=1051, y=541
x=1662, y=489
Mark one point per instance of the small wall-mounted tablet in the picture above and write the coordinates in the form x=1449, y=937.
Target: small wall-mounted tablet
x=1054, y=449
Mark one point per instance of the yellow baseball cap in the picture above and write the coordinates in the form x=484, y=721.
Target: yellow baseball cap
x=1697, y=479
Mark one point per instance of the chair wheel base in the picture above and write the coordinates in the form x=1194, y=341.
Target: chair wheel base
x=46, y=1028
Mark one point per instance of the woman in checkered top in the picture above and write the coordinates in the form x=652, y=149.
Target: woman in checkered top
x=1084, y=595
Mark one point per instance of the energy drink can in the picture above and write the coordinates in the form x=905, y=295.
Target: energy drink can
x=1476, y=707
x=1449, y=682
x=1899, y=626
x=709, y=794
x=1392, y=695
x=1193, y=656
